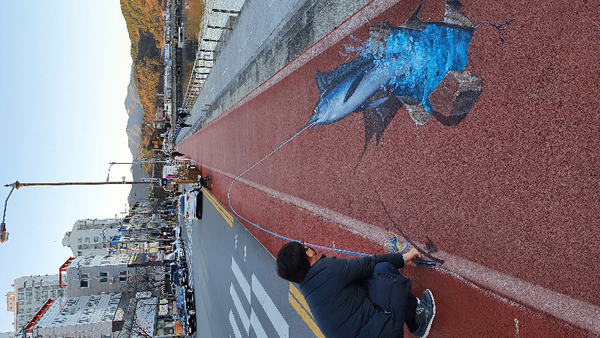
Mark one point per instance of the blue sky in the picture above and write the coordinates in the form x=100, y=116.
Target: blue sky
x=64, y=70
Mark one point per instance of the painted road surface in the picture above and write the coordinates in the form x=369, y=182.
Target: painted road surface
x=237, y=291
x=507, y=197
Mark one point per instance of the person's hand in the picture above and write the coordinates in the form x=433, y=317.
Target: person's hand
x=411, y=255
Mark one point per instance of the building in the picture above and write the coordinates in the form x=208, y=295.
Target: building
x=84, y=316
x=10, y=302
x=91, y=237
x=92, y=275
x=31, y=292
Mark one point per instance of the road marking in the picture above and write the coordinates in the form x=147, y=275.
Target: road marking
x=294, y=291
x=255, y=323
x=279, y=323
x=305, y=316
x=252, y=321
x=234, y=325
x=226, y=215
x=240, y=308
x=501, y=285
x=239, y=276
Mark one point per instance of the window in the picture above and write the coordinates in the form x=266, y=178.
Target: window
x=96, y=239
x=103, y=274
x=84, y=283
x=123, y=276
x=79, y=240
x=44, y=294
x=87, y=239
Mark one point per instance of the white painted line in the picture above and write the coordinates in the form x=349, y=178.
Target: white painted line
x=561, y=306
x=240, y=308
x=234, y=325
x=257, y=326
x=239, y=276
x=279, y=323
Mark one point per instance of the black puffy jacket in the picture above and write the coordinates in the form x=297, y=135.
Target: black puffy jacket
x=336, y=292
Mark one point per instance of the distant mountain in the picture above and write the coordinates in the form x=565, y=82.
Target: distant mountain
x=139, y=192
x=146, y=29
x=136, y=116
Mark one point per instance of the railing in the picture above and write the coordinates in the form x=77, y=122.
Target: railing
x=217, y=19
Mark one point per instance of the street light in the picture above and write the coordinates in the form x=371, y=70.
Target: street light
x=17, y=185
x=134, y=162
x=3, y=232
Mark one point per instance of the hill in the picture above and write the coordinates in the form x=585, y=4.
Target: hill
x=145, y=28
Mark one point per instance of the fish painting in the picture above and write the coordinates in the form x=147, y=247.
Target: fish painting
x=403, y=64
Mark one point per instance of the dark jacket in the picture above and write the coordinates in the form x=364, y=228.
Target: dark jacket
x=338, y=290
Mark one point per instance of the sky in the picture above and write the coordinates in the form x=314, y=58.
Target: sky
x=64, y=71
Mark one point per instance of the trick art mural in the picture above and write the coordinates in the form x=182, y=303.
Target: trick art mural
x=402, y=66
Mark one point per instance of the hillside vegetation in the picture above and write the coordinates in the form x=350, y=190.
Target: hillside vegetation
x=145, y=27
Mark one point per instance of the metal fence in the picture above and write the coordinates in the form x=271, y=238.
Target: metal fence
x=217, y=21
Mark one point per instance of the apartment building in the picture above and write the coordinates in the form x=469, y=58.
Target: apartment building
x=30, y=293
x=85, y=276
x=91, y=237
x=84, y=316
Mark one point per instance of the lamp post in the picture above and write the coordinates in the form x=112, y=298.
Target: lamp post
x=3, y=232
x=17, y=185
x=134, y=162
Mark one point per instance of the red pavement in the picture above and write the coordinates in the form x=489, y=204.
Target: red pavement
x=514, y=187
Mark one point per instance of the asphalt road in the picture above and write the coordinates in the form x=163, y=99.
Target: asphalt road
x=508, y=198
x=238, y=294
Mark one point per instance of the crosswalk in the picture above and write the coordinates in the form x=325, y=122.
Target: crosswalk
x=251, y=321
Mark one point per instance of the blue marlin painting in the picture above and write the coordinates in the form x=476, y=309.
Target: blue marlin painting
x=404, y=64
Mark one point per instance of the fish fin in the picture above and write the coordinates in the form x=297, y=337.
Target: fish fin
x=371, y=104
x=322, y=83
x=354, y=85
x=326, y=80
x=375, y=125
x=414, y=22
x=383, y=112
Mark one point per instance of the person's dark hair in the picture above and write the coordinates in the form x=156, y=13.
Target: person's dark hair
x=292, y=262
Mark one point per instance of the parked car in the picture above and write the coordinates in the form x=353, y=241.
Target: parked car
x=178, y=274
x=177, y=248
x=189, y=207
x=186, y=314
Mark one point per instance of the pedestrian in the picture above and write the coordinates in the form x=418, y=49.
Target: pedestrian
x=183, y=114
x=358, y=297
x=184, y=125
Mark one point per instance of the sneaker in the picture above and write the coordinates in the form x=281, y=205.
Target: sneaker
x=424, y=314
